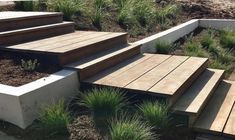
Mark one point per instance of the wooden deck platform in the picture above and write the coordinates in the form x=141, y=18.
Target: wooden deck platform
x=155, y=74
x=70, y=47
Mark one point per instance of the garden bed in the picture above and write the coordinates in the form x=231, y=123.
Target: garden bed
x=139, y=18
x=217, y=45
x=103, y=114
x=12, y=72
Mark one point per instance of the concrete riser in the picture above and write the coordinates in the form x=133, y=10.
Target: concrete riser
x=29, y=22
x=98, y=67
x=22, y=37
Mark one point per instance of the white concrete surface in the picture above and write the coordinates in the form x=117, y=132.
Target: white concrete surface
x=224, y=24
x=169, y=36
x=21, y=105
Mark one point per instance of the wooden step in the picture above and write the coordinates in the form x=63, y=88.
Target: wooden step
x=72, y=47
x=211, y=137
x=18, y=20
x=88, y=46
x=94, y=64
x=35, y=33
x=121, y=78
x=216, y=113
x=178, y=81
x=152, y=77
x=196, y=97
x=229, y=129
x=118, y=69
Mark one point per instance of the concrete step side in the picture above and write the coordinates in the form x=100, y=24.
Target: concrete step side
x=34, y=33
x=93, y=65
x=196, y=97
x=19, y=20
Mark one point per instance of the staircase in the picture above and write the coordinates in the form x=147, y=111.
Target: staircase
x=107, y=59
x=20, y=27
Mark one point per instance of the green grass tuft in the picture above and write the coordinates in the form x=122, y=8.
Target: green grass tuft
x=227, y=40
x=104, y=103
x=54, y=118
x=156, y=114
x=68, y=7
x=163, y=47
x=207, y=41
x=131, y=128
x=195, y=49
x=168, y=12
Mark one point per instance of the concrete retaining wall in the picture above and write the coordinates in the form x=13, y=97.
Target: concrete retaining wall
x=21, y=105
x=169, y=36
x=224, y=24
x=175, y=33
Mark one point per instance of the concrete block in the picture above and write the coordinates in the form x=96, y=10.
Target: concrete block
x=222, y=24
x=21, y=105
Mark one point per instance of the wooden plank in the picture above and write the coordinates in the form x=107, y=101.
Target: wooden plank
x=87, y=42
x=152, y=77
x=135, y=72
x=216, y=113
x=69, y=42
x=13, y=15
x=118, y=69
x=88, y=62
x=230, y=125
x=35, y=33
x=194, y=99
x=93, y=67
x=49, y=41
x=177, y=80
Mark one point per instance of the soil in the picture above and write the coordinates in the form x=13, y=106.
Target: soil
x=12, y=74
x=191, y=9
x=83, y=129
x=196, y=37
x=209, y=8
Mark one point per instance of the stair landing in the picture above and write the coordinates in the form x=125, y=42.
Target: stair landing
x=70, y=47
x=154, y=74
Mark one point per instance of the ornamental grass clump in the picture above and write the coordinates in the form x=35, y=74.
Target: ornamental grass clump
x=195, y=49
x=227, y=40
x=155, y=114
x=144, y=11
x=166, y=13
x=68, y=7
x=125, y=16
x=163, y=47
x=55, y=118
x=104, y=103
x=131, y=128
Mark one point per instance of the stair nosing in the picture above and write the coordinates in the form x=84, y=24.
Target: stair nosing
x=32, y=29
x=187, y=112
x=48, y=14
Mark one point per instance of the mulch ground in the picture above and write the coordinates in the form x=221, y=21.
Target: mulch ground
x=11, y=72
